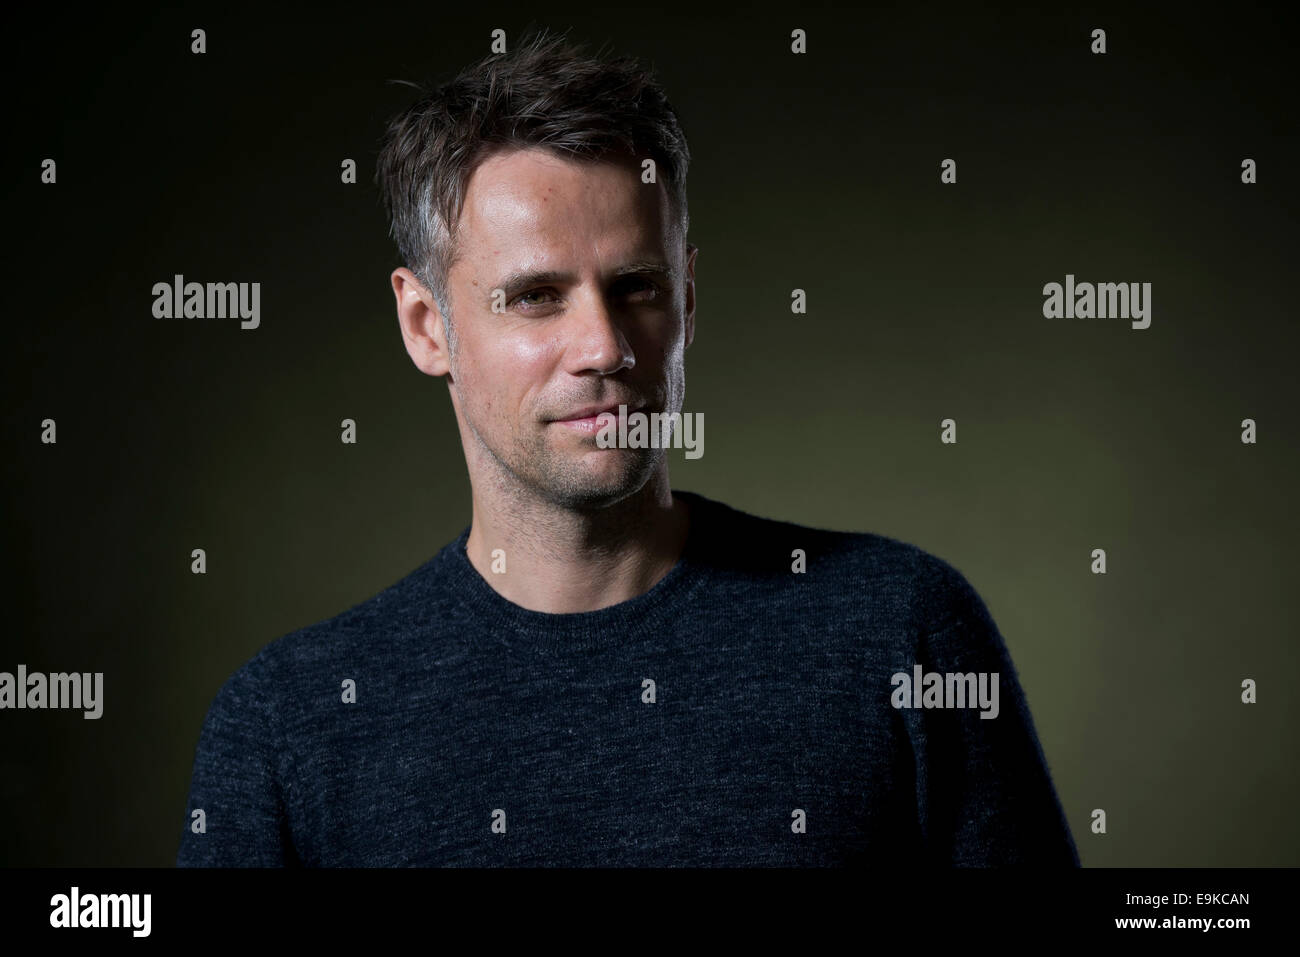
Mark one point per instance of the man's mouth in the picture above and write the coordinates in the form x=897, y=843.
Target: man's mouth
x=589, y=418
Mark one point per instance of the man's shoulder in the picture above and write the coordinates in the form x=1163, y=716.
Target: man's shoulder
x=843, y=564
x=365, y=631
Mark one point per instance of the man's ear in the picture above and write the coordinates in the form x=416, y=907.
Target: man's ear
x=420, y=321
x=690, y=292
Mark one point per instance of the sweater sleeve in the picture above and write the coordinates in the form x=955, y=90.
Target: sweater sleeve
x=238, y=780
x=984, y=793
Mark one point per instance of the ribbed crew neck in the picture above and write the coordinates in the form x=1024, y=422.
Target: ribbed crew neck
x=645, y=613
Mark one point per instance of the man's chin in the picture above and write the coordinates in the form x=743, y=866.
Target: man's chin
x=604, y=482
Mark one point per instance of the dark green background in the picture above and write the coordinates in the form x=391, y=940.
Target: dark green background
x=818, y=172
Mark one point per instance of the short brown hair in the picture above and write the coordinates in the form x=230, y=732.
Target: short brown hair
x=548, y=94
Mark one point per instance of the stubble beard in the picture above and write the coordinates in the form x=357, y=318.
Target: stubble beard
x=533, y=467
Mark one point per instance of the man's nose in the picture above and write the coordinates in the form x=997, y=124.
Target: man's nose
x=596, y=340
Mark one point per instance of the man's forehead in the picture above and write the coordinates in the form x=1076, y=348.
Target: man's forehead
x=536, y=197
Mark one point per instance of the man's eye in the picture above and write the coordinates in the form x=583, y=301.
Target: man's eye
x=641, y=285
x=522, y=296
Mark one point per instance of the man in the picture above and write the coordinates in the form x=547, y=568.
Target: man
x=601, y=670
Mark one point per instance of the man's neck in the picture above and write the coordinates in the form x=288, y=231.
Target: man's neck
x=560, y=561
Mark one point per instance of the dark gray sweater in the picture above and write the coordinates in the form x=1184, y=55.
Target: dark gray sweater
x=738, y=713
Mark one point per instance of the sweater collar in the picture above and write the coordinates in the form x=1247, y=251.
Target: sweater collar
x=647, y=613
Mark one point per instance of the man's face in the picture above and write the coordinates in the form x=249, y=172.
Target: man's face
x=598, y=305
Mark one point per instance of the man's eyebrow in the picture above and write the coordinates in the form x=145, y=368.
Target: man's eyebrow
x=646, y=267
x=520, y=280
